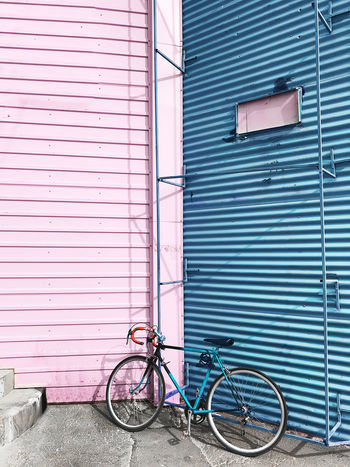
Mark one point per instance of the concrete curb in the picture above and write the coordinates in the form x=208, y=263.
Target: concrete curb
x=19, y=410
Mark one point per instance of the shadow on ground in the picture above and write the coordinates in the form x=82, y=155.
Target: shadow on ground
x=84, y=435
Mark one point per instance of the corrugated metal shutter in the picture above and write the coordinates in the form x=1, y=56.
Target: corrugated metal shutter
x=252, y=239
x=74, y=202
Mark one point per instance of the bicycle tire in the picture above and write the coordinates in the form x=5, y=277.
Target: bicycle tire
x=256, y=407
x=130, y=408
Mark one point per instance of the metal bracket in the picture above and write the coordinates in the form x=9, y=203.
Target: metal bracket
x=187, y=374
x=184, y=60
x=329, y=25
x=333, y=173
x=335, y=281
x=182, y=69
x=180, y=185
x=185, y=279
x=340, y=408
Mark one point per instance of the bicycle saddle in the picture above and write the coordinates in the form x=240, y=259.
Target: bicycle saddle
x=221, y=342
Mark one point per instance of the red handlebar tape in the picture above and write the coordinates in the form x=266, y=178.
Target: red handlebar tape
x=141, y=329
x=133, y=335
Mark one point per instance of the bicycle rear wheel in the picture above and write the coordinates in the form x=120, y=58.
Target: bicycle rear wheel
x=250, y=412
x=135, y=393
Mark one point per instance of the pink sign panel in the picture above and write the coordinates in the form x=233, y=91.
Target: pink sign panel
x=269, y=112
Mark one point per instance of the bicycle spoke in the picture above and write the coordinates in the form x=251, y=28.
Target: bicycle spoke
x=257, y=422
x=131, y=393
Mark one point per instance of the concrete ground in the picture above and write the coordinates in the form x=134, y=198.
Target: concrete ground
x=82, y=435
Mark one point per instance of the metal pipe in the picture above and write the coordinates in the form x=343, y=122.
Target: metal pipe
x=185, y=270
x=256, y=169
x=187, y=374
x=170, y=176
x=156, y=149
x=338, y=443
x=171, y=183
x=303, y=438
x=325, y=22
x=253, y=169
x=333, y=162
x=261, y=169
x=182, y=281
x=322, y=220
x=170, y=61
x=337, y=295
x=337, y=425
x=172, y=282
x=328, y=172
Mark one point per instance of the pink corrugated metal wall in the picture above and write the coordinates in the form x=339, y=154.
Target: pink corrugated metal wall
x=75, y=189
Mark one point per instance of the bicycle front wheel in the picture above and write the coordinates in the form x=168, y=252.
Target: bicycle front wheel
x=135, y=393
x=249, y=411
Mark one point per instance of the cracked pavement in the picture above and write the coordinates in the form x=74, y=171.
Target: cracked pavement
x=82, y=435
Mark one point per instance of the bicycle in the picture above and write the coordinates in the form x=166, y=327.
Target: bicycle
x=246, y=410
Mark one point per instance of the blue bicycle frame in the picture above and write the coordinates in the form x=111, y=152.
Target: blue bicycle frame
x=179, y=390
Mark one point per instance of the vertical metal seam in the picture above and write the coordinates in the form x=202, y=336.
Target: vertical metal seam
x=156, y=148
x=322, y=220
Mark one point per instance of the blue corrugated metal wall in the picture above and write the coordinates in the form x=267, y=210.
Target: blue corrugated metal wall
x=253, y=239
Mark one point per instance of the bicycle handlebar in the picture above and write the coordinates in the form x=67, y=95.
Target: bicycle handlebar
x=132, y=332
x=133, y=335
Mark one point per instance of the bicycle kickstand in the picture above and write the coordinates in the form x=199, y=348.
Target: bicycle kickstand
x=189, y=415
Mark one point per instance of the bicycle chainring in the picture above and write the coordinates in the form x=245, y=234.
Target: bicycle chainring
x=197, y=418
